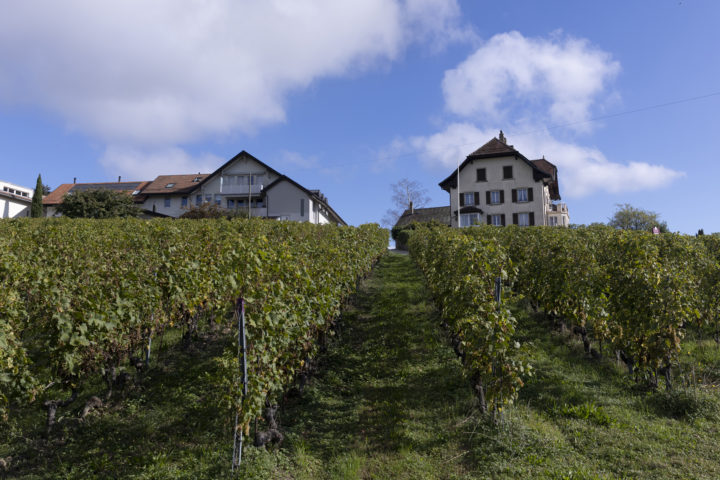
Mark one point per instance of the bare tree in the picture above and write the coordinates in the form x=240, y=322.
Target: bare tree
x=405, y=193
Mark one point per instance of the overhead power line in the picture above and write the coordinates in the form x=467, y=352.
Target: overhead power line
x=570, y=124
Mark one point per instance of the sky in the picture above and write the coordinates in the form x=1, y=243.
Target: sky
x=350, y=97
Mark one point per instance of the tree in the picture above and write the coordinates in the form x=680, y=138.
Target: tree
x=36, y=208
x=405, y=194
x=627, y=217
x=98, y=204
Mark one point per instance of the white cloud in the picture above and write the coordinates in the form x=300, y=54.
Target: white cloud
x=511, y=75
x=581, y=170
x=146, y=164
x=168, y=72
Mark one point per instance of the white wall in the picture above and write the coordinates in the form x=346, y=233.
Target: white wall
x=522, y=178
x=175, y=210
x=283, y=200
x=11, y=208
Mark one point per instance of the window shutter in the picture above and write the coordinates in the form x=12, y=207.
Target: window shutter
x=515, y=218
x=514, y=195
x=462, y=200
x=530, y=198
x=502, y=219
x=532, y=218
x=477, y=198
x=489, y=220
x=487, y=197
x=502, y=196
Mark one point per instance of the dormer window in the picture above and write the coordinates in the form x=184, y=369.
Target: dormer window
x=170, y=185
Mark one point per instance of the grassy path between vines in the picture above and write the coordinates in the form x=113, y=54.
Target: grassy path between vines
x=389, y=400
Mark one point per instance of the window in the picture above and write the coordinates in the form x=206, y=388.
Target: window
x=258, y=203
x=553, y=221
x=168, y=202
x=481, y=175
x=468, y=219
x=208, y=198
x=468, y=198
x=196, y=179
x=524, y=219
x=184, y=202
x=169, y=185
x=198, y=200
x=507, y=172
x=521, y=195
x=218, y=200
x=495, y=197
x=302, y=207
x=496, y=220
x=241, y=202
x=230, y=203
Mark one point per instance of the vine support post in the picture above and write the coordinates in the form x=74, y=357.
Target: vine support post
x=149, y=345
x=242, y=360
x=498, y=290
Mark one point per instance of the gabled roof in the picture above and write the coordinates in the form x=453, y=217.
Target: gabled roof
x=493, y=149
x=314, y=194
x=56, y=196
x=237, y=157
x=167, y=184
x=420, y=215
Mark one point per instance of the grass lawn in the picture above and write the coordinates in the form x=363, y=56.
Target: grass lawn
x=389, y=402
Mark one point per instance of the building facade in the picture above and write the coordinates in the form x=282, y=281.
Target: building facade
x=500, y=186
x=15, y=201
x=243, y=184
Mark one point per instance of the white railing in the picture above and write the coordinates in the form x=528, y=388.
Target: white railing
x=240, y=189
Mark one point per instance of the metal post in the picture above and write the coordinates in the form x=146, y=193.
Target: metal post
x=498, y=290
x=242, y=346
x=458, y=192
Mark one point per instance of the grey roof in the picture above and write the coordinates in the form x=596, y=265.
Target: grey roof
x=438, y=214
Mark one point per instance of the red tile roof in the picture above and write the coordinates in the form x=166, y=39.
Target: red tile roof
x=494, y=147
x=56, y=196
x=180, y=184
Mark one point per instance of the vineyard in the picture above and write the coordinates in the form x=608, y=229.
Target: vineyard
x=590, y=353
x=632, y=295
x=83, y=300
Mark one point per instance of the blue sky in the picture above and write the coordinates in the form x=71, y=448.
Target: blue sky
x=351, y=96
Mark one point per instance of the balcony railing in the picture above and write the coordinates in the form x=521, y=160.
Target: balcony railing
x=558, y=207
x=227, y=189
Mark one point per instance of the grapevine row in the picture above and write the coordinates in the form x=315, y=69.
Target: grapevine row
x=461, y=273
x=631, y=294
x=79, y=297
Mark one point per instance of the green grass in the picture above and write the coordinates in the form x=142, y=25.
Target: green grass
x=389, y=401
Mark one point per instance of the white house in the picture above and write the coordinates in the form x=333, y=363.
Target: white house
x=15, y=200
x=243, y=183
x=499, y=186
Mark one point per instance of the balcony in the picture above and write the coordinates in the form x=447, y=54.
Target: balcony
x=227, y=189
x=558, y=207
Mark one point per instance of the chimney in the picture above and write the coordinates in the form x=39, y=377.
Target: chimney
x=412, y=209
x=74, y=180
x=119, y=179
x=502, y=138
